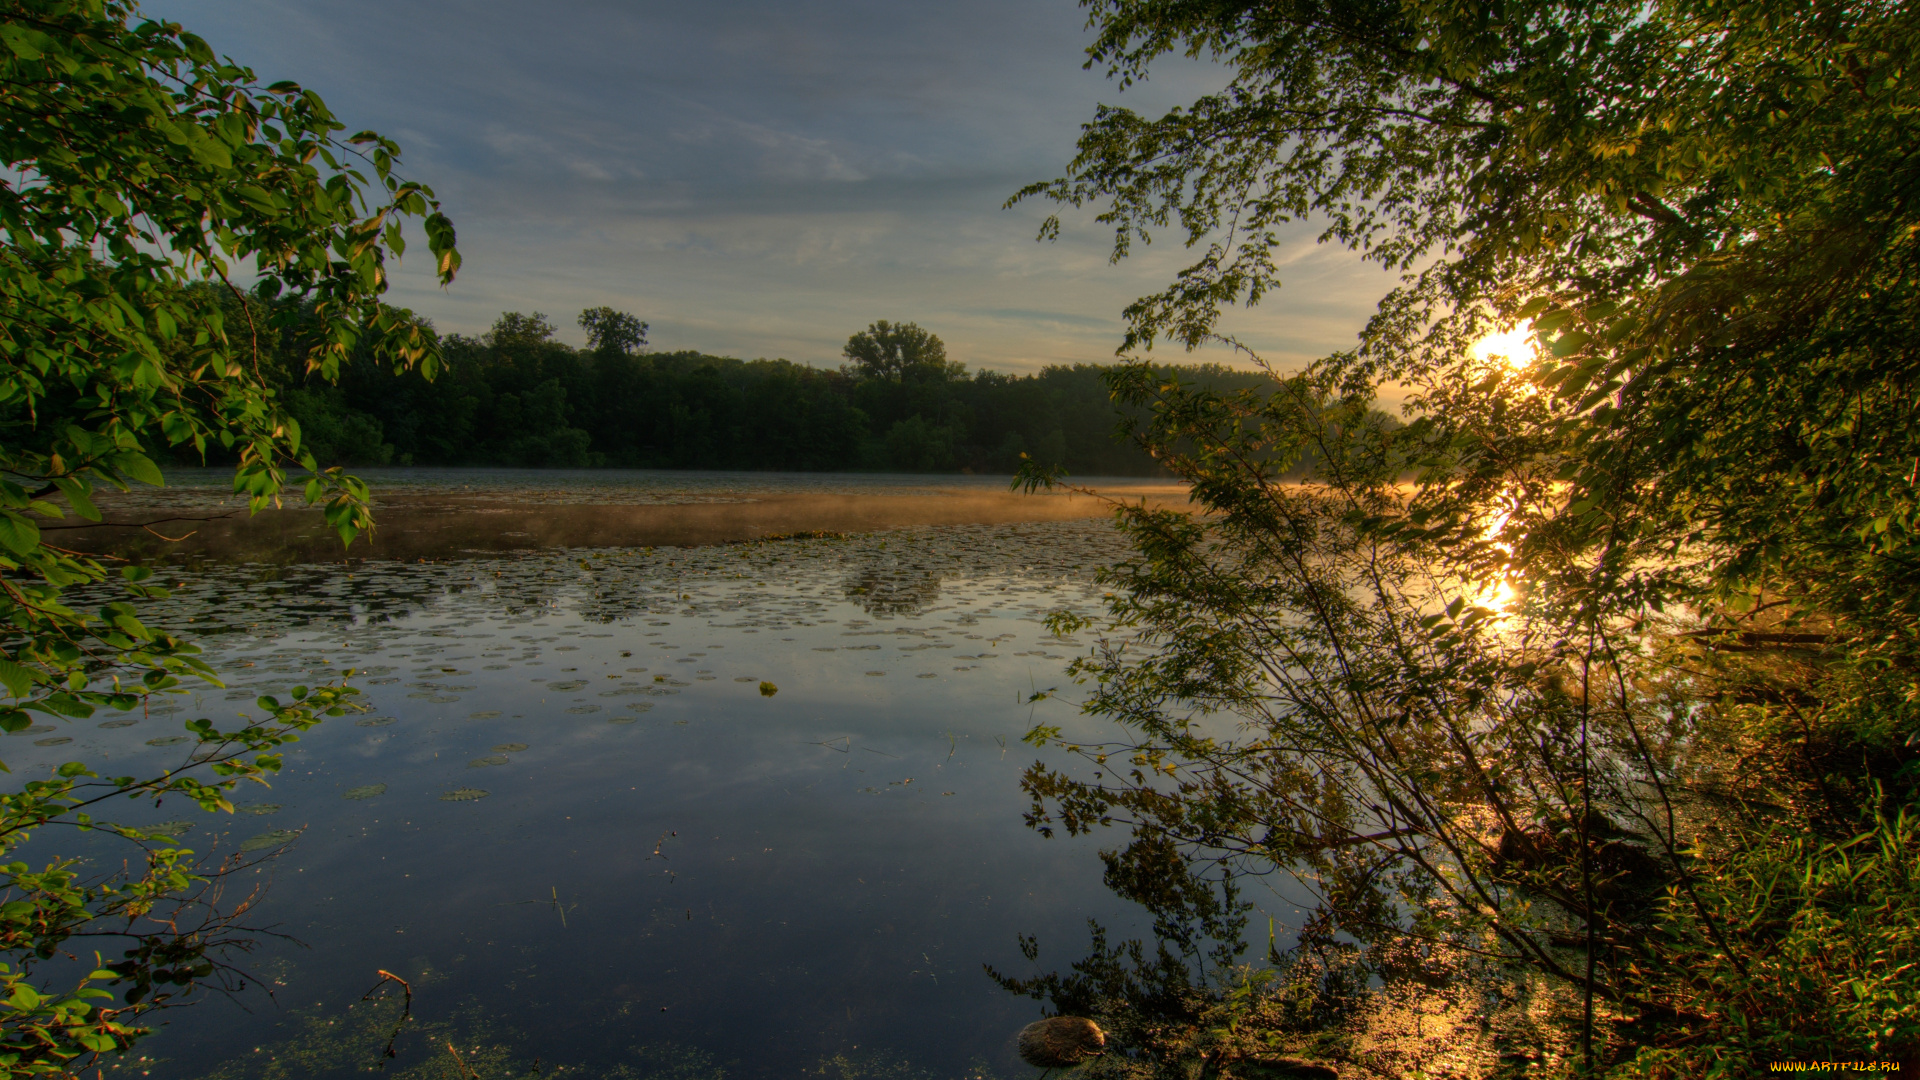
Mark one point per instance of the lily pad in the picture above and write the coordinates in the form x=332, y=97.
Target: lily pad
x=260, y=808
x=36, y=729
x=172, y=830
x=510, y=748
x=274, y=839
x=167, y=740
x=57, y=740
x=465, y=794
x=374, y=721
x=484, y=714
x=570, y=684
x=365, y=791
x=623, y=719
x=583, y=709
x=490, y=759
x=126, y=722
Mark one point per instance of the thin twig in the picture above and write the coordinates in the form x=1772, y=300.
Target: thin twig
x=406, y=1008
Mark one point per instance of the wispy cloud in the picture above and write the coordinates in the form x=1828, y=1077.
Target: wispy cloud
x=760, y=177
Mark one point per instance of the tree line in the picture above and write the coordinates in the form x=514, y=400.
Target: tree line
x=516, y=396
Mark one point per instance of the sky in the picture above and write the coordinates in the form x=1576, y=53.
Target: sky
x=762, y=178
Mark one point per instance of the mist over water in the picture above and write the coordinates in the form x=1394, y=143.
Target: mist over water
x=749, y=808
x=437, y=513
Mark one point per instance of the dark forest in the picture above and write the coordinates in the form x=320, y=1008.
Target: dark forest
x=515, y=396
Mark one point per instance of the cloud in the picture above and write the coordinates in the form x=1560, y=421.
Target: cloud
x=761, y=177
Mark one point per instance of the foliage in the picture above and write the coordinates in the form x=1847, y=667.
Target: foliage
x=900, y=353
x=1600, y=671
x=614, y=331
x=52, y=911
x=143, y=173
x=515, y=396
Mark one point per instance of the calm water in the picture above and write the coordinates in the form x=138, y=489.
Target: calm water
x=573, y=821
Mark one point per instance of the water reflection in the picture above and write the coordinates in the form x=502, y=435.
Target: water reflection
x=891, y=590
x=761, y=885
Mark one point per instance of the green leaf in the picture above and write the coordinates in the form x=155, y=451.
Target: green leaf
x=1571, y=342
x=17, y=534
x=19, y=41
x=18, y=680
x=139, y=467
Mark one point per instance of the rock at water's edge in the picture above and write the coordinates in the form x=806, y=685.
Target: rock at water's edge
x=1060, y=1042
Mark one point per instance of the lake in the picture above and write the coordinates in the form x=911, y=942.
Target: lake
x=626, y=808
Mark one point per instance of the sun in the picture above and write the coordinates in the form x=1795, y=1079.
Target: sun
x=1515, y=347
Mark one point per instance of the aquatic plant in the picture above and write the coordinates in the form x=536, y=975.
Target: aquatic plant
x=274, y=839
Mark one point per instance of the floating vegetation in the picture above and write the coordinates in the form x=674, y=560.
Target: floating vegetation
x=274, y=839
x=488, y=761
x=443, y=699
x=734, y=606
x=125, y=722
x=57, y=740
x=767, y=689
x=171, y=830
x=876, y=673
x=36, y=729
x=926, y=675
x=164, y=740
x=259, y=808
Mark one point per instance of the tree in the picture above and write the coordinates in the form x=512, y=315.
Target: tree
x=144, y=175
x=513, y=328
x=614, y=331
x=900, y=352
x=1634, y=648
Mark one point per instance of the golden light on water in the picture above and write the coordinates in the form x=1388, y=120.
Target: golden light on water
x=1515, y=347
x=1499, y=593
